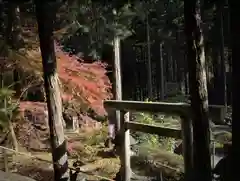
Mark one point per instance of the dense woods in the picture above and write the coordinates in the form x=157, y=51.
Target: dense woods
x=61, y=60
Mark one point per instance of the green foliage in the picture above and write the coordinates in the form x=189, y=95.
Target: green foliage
x=178, y=98
x=152, y=140
x=97, y=137
x=95, y=24
x=9, y=109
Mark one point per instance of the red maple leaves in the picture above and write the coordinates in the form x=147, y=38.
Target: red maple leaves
x=87, y=82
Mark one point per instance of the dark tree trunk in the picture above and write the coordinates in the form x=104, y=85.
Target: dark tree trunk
x=45, y=12
x=235, y=45
x=169, y=64
x=186, y=85
x=2, y=22
x=198, y=90
x=14, y=40
x=149, y=62
x=219, y=65
x=17, y=44
x=179, y=63
x=222, y=55
x=162, y=87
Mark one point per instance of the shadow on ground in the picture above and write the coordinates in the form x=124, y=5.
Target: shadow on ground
x=39, y=174
x=106, y=154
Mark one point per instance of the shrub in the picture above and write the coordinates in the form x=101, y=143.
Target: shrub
x=151, y=139
x=9, y=108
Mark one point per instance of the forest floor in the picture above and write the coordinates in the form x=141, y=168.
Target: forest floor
x=87, y=147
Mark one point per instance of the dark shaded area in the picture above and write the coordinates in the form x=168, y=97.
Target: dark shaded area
x=223, y=170
x=106, y=154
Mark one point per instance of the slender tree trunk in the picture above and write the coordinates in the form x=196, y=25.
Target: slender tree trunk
x=198, y=90
x=14, y=39
x=170, y=63
x=118, y=78
x=162, y=87
x=17, y=44
x=179, y=64
x=13, y=135
x=174, y=65
x=150, y=91
x=45, y=12
x=2, y=22
x=229, y=57
x=220, y=72
x=222, y=54
x=186, y=85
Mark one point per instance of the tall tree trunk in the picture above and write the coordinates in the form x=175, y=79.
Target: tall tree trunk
x=170, y=63
x=229, y=56
x=186, y=84
x=198, y=90
x=118, y=78
x=2, y=22
x=179, y=63
x=235, y=45
x=14, y=39
x=174, y=64
x=149, y=63
x=162, y=86
x=220, y=72
x=45, y=12
x=222, y=54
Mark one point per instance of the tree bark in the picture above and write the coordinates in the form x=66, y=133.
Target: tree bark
x=45, y=12
x=235, y=45
x=179, y=63
x=198, y=90
x=14, y=39
x=222, y=55
x=13, y=135
x=186, y=84
x=2, y=22
x=149, y=64
x=118, y=79
x=219, y=91
x=162, y=87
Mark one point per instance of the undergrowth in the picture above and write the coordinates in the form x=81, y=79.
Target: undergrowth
x=154, y=140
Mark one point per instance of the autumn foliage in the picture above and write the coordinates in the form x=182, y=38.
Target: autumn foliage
x=85, y=82
x=81, y=82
